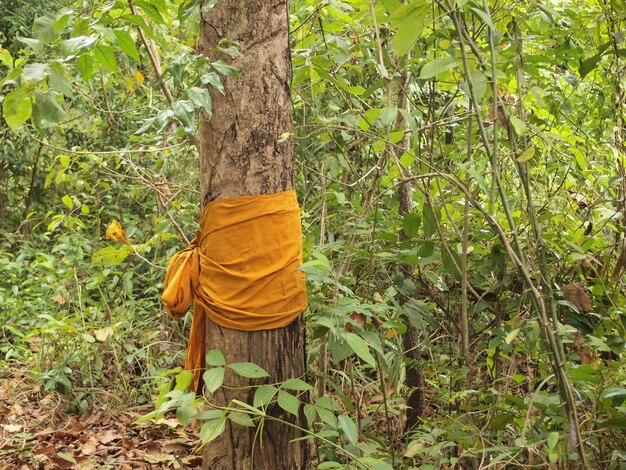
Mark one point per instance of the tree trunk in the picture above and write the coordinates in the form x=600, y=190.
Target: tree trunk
x=245, y=149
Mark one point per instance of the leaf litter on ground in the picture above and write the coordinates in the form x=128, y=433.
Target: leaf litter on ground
x=37, y=433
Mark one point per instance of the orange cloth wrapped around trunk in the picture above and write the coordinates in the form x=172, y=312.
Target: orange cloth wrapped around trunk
x=240, y=271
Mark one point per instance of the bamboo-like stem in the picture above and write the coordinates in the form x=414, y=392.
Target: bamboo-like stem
x=496, y=111
x=154, y=57
x=548, y=325
x=464, y=320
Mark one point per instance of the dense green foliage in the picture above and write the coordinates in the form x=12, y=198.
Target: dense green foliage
x=505, y=120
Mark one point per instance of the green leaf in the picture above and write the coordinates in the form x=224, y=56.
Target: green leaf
x=588, y=65
x=70, y=47
x=151, y=11
x=485, y=17
x=110, y=255
x=214, y=378
x=186, y=414
x=511, y=336
x=105, y=56
x=138, y=20
x=58, y=81
x=391, y=5
x=183, y=380
x=264, y=395
x=518, y=125
x=359, y=346
x=48, y=106
x=5, y=58
x=17, y=107
x=214, y=80
x=86, y=65
x=67, y=200
x=409, y=20
x=479, y=84
x=526, y=155
x=437, y=280
x=214, y=357
x=184, y=111
x=411, y=224
x=296, y=384
x=288, y=402
x=243, y=419
x=430, y=218
x=207, y=5
x=248, y=370
x=187, y=8
x=127, y=44
x=224, y=68
x=200, y=97
x=387, y=116
x=35, y=44
x=88, y=338
x=349, y=428
x=553, y=439
x=44, y=28
x=438, y=66
x=618, y=395
x=212, y=429
x=309, y=413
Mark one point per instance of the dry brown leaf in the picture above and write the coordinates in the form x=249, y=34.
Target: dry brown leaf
x=90, y=447
x=576, y=294
x=193, y=460
x=59, y=299
x=16, y=410
x=103, y=333
x=108, y=435
x=62, y=462
x=172, y=423
x=11, y=428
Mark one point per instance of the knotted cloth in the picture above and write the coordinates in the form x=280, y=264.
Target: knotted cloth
x=240, y=271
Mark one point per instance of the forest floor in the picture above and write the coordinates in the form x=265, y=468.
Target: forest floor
x=37, y=433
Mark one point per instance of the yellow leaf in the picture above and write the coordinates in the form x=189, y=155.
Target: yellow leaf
x=526, y=155
x=139, y=77
x=130, y=85
x=391, y=333
x=116, y=232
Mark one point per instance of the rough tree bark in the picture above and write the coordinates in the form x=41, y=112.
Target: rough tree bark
x=243, y=152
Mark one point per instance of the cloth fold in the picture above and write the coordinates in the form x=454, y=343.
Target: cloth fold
x=240, y=270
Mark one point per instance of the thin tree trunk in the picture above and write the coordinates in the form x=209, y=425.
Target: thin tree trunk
x=245, y=149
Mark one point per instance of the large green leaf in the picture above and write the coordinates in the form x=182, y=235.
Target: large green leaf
x=213, y=378
x=288, y=402
x=438, y=66
x=151, y=10
x=248, y=370
x=409, y=19
x=105, y=56
x=349, y=428
x=110, y=255
x=410, y=224
x=127, y=44
x=212, y=429
x=360, y=347
x=48, y=106
x=264, y=395
x=214, y=357
x=35, y=72
x=17, y=107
